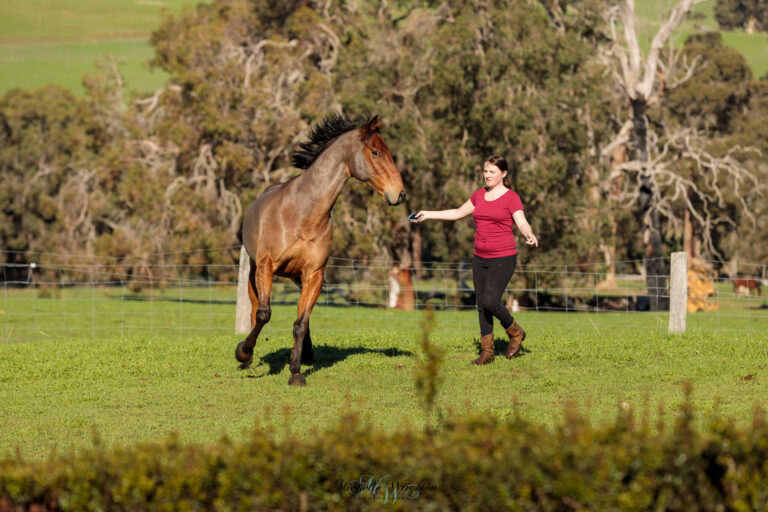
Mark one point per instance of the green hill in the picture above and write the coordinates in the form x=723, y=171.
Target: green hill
x=56, y=41
x=651, y=13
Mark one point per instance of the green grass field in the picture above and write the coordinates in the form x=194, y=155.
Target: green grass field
x=138, y=369
x=651, y=13
x=52, y=41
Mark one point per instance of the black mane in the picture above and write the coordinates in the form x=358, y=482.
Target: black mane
x=323, y=134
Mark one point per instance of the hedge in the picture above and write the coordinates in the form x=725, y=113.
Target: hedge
x=464, y=463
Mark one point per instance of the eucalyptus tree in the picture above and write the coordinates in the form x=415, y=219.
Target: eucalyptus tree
x=750, y=15
x=466, y=79
x=662, y=159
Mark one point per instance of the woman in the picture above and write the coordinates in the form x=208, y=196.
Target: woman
x=494, y=208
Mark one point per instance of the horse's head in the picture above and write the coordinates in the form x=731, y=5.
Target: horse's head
x=374, y=166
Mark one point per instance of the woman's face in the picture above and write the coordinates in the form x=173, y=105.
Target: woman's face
x=493, y=175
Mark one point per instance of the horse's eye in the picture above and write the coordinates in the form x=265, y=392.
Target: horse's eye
x=375, y=153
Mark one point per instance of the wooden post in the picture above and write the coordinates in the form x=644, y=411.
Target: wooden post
x=243, y=308
x=678, y=292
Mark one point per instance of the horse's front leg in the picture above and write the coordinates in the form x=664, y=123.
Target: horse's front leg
x=263, y=276
x=311, y=285
x=307, y=354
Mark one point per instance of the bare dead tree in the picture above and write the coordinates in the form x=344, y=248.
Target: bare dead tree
x=689, y=181
x=643, y=80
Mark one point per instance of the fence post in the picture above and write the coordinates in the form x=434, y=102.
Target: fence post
x=678, y=292
x=243, y=308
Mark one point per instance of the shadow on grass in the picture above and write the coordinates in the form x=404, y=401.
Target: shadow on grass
x=325, y=357
x=145, y=298
x=277, y=299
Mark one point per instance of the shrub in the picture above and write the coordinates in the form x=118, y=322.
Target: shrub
x=470, y=463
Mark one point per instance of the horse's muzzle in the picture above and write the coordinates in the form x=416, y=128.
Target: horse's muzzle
x=394, y=200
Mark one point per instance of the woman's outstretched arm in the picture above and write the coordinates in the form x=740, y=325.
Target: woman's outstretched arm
x=454, y=214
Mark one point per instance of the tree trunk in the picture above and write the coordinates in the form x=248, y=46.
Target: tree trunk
x=688, y=235
x=416, y=249
x=751, y=25
x=652, y=255
x=696, y=237
x=618, y=157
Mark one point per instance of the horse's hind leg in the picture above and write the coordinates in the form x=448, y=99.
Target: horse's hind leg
x=310, y=291
x=252, y=293
x=307, y=354
x=240, y=355
x=262, y=283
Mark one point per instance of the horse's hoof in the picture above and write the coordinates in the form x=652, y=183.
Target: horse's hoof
x=242, y=356
x=297, y=379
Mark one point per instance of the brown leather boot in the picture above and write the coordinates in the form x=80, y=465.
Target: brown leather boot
x=486, y=350
x=516, y=337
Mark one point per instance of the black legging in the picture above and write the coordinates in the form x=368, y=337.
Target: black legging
x=490, y=276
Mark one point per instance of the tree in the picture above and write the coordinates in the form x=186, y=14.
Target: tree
x=710, y=104
x=453, y=83
x=246, y=79
x=637, y=79
x=470, y=79
x=45, y=152
x=672, y=171
x=717, y=93
x=745, y=241
x=747, y=14
x=164, y=178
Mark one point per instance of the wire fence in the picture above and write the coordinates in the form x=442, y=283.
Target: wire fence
x=66, y=298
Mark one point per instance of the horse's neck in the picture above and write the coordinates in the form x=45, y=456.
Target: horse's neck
x=322, y=182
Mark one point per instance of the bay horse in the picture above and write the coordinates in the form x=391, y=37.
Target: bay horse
x=287, y=231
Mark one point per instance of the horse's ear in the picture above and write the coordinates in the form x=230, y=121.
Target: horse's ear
x=371, y=127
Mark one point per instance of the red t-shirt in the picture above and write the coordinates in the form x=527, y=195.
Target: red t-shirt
x=493, y=224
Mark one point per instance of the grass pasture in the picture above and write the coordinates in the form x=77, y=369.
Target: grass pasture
x=652, y=13
x=137, y=370
x=52, y=41
x=30, y=65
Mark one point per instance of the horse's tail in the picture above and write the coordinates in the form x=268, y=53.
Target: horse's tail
x=240, y=234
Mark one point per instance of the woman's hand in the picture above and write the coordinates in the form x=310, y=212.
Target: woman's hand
x=418, y=217
x=525, y=228
x=454, y=214
x=531, y=240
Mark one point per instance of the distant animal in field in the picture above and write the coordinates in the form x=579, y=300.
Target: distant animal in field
x=745, y=287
